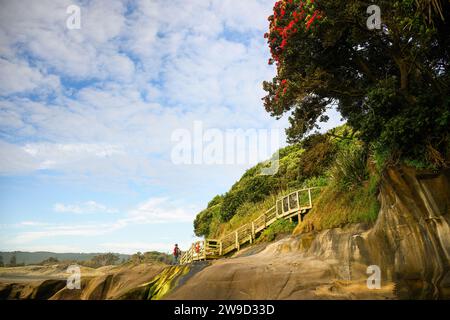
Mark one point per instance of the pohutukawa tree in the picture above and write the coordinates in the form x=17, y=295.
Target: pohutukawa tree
x=390, y=84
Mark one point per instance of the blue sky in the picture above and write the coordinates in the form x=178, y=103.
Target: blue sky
x=87, y=115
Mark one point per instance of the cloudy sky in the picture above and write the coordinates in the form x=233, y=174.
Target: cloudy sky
x=88, y=115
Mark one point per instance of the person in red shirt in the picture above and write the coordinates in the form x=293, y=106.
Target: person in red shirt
x=197, y=247
x=176, y=253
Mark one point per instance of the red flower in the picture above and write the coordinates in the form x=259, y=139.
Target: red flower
x=308, y=24
x=291, y=24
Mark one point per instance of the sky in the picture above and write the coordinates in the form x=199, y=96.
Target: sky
x=91, y=118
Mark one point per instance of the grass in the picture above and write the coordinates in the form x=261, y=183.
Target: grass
x=349, y=170
x=281, y=226
x=335, y=208
x=246, y=213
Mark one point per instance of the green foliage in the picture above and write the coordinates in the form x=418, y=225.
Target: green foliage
x=205, y=218
x=306, y=160
x=216, y=200
x=316, y=181
x=418, y=164
x=252, y=187
x=151, y=257
x=336, y=208
x=350, y=168
x=247, y=212
x=231, y=202
x=392, y=84
x=279, y=227
x=49, y=261
x=301, y=165
x=337, y=159
x=101, y=260
x=317, y=157
x=290, y=150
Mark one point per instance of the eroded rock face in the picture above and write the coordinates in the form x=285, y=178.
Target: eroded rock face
x=40, y=290
x=411, y=238
x=283, y=270
x=409, y=243
x=112, y=284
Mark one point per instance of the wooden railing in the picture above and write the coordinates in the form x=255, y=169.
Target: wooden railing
x=296, y=203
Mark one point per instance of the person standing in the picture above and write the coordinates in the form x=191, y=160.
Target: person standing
x=176, y=253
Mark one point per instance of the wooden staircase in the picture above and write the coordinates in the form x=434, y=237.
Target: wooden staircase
x=297, y=203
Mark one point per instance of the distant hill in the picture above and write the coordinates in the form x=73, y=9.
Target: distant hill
x=36, y=257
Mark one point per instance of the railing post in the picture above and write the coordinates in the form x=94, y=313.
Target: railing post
x=204, y=249
x=237, y=241
x=309, y=195
x=220, y=247
x=276, y=208
x=253, y=230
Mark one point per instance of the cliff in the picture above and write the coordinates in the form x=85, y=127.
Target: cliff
x=409, y=242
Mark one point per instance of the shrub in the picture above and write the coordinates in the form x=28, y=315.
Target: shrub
x=249, y=188
x=279, y=227
x=203, y=220
x=216, y=200
x=317, y=158
x=350, y=168
x=101, y=260
x=336, y=208
x=151, y=256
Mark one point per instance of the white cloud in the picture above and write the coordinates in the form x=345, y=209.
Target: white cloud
x=160, y=210
x=14, y=160
x=87, y=230
x=85, y=207
x=244, y=16
x=200, y=71
x=39, y=28
x=33, y=224
x=98, y=105
x=16, y=77
x=152, y=211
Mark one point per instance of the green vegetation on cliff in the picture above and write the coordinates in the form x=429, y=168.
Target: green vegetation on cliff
x=336, y=161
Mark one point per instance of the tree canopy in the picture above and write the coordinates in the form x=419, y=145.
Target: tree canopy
x=390, y=84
